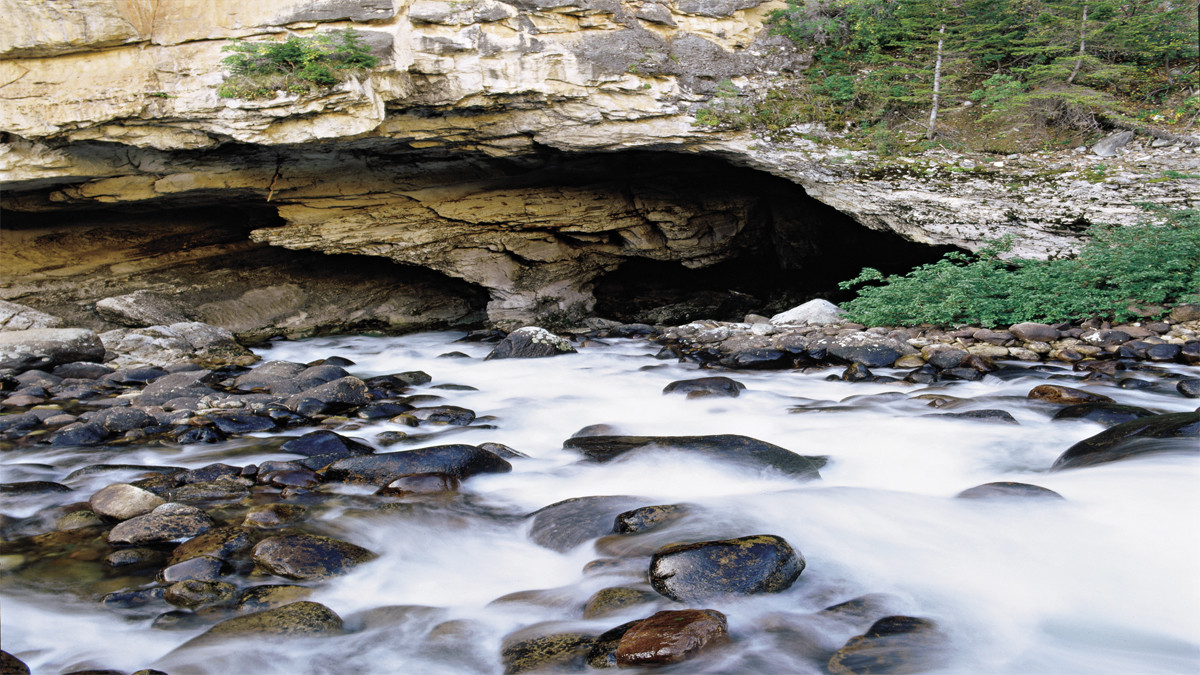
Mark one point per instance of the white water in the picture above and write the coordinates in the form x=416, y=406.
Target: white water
x=1107, y=581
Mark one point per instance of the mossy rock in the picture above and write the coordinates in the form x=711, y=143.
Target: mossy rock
x=298, y=619
x=612, y=600
x=894, y=645
x=557, y=649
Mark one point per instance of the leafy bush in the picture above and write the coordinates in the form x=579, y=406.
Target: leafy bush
x=295, y=65
x=1154, y=263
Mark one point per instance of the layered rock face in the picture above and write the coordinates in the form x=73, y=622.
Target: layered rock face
x=472, y=150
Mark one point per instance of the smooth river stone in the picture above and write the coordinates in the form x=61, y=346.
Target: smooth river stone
x=761, y=563
x=169, y=522
x=671, y=636
x=122, y=501
x=308, y=556
x=460, y=461
x=1173, y=432
x=726, y=447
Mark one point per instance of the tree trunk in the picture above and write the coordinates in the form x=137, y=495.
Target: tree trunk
x=937, y=85
x=1082, y=37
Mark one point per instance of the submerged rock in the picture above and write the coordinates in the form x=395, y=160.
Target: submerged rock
x=760, y=563
x=894, y=644
x=727, y=447
x=529, y=343
x=612, y=600
x=706, y=386
x=546, y=651
x=1007, y=489
x=298, y=619
x=122, y=501
x=1108, y=414
x=1173, y=432
x=564, y=525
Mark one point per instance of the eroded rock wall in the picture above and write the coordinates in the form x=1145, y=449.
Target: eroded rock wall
x=433, y=159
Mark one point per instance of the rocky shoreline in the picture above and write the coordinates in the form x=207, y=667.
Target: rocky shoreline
x=187, y=547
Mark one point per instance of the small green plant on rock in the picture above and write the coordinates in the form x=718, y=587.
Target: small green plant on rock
x=295, y=65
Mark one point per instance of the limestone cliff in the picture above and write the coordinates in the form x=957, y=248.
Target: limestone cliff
x=486, y=146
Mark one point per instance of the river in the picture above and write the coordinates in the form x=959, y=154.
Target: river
x=1106, y=580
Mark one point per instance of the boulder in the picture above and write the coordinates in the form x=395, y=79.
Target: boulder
x=760, y=563
x=1054, y=393
x=308, y=556
x=166, y=523
x=201, y=343
x=20, y=317
x=1034, y=332
x=188, y=384
x=671, y=636
x=648, y=518
x=297, y=619
x=444, y=414
x=122, y=501
x=1173, y=432
x=79, y=434
x=199, y=593
x=1188, y=387
x=521, y=654
x=872, y=351
x=222, y=543
x=726, y=447
x=1186, y=312
x=460, y=461
x=139, y=309
x=1111, y=144
x=44, y=348
x=706, y=386
x=529, y=343
x=340, y=394
x=118, y=420
x=812, y=312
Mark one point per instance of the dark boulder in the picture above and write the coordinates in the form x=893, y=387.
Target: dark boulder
x=82, y=370
x=460, y=461
x=1173, y=432
x=648, y=518
x=444, y=414
x=757, y=359
x=1108, y=414
x=80, y=433
x=11, y=665
x=671, y=636
x=308, y=556
x=747, y=565
x=338, y=395
x=706, y=386
x=234, y=423
x=324, y=443
x=122, y=419
x=529, y=343
x=993, y=416
x=188, y=384
x=1007, y=489
x=1189, y=387
x=726, y=447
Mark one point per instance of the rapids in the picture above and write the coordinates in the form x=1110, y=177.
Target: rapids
x=1105, y=581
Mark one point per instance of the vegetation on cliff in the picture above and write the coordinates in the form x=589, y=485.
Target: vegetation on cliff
x=1121, y=273
x=295, y=65
x=989, y=75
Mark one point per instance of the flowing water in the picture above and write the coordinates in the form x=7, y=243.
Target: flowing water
x=1105, y=581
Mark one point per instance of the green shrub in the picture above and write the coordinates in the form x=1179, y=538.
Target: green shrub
x=295, y=65
x=1154, y=263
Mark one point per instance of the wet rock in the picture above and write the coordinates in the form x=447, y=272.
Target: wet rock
x=82, y=370
x=460, y=461
x=135, y=598
x=78, y=519
x=671, y=636
x=189, y=384
x=200, y=343
x=384, y=409
x=744, y=566
x=208, y=473
x=325, y=442
x=648, y=518
x=1007, y=489
x=421, y=484
x=757, y=359
x=857, y=372
x=177, y=619
x=894, y=644
x=502, y=451
x=271, y=596
x=197, y=435
x=222, y=543
x=730, y=448
x=120, y=420
x=19, y=422
x=872, y=351
x=706, y=386
x=11, y=665
x=1189, y=387
x=1108, y=414
x=558, y=650
x=444, y=414
x=302, y=618
x=995, y=416
x=1054, y=393
x=201, y=568
x=44, y=348
x=612, y=600
x=296, y=478
x=528, y=343
x=169, y=522
x=307, y=556
x=564, y=525
x=122, y=501
x=236, y=423
x=1167, y=352
x=1173, y=432
x=338, y=395
x=268, y=516
x=210, y=491
x=195, y=594
x=79, y=434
